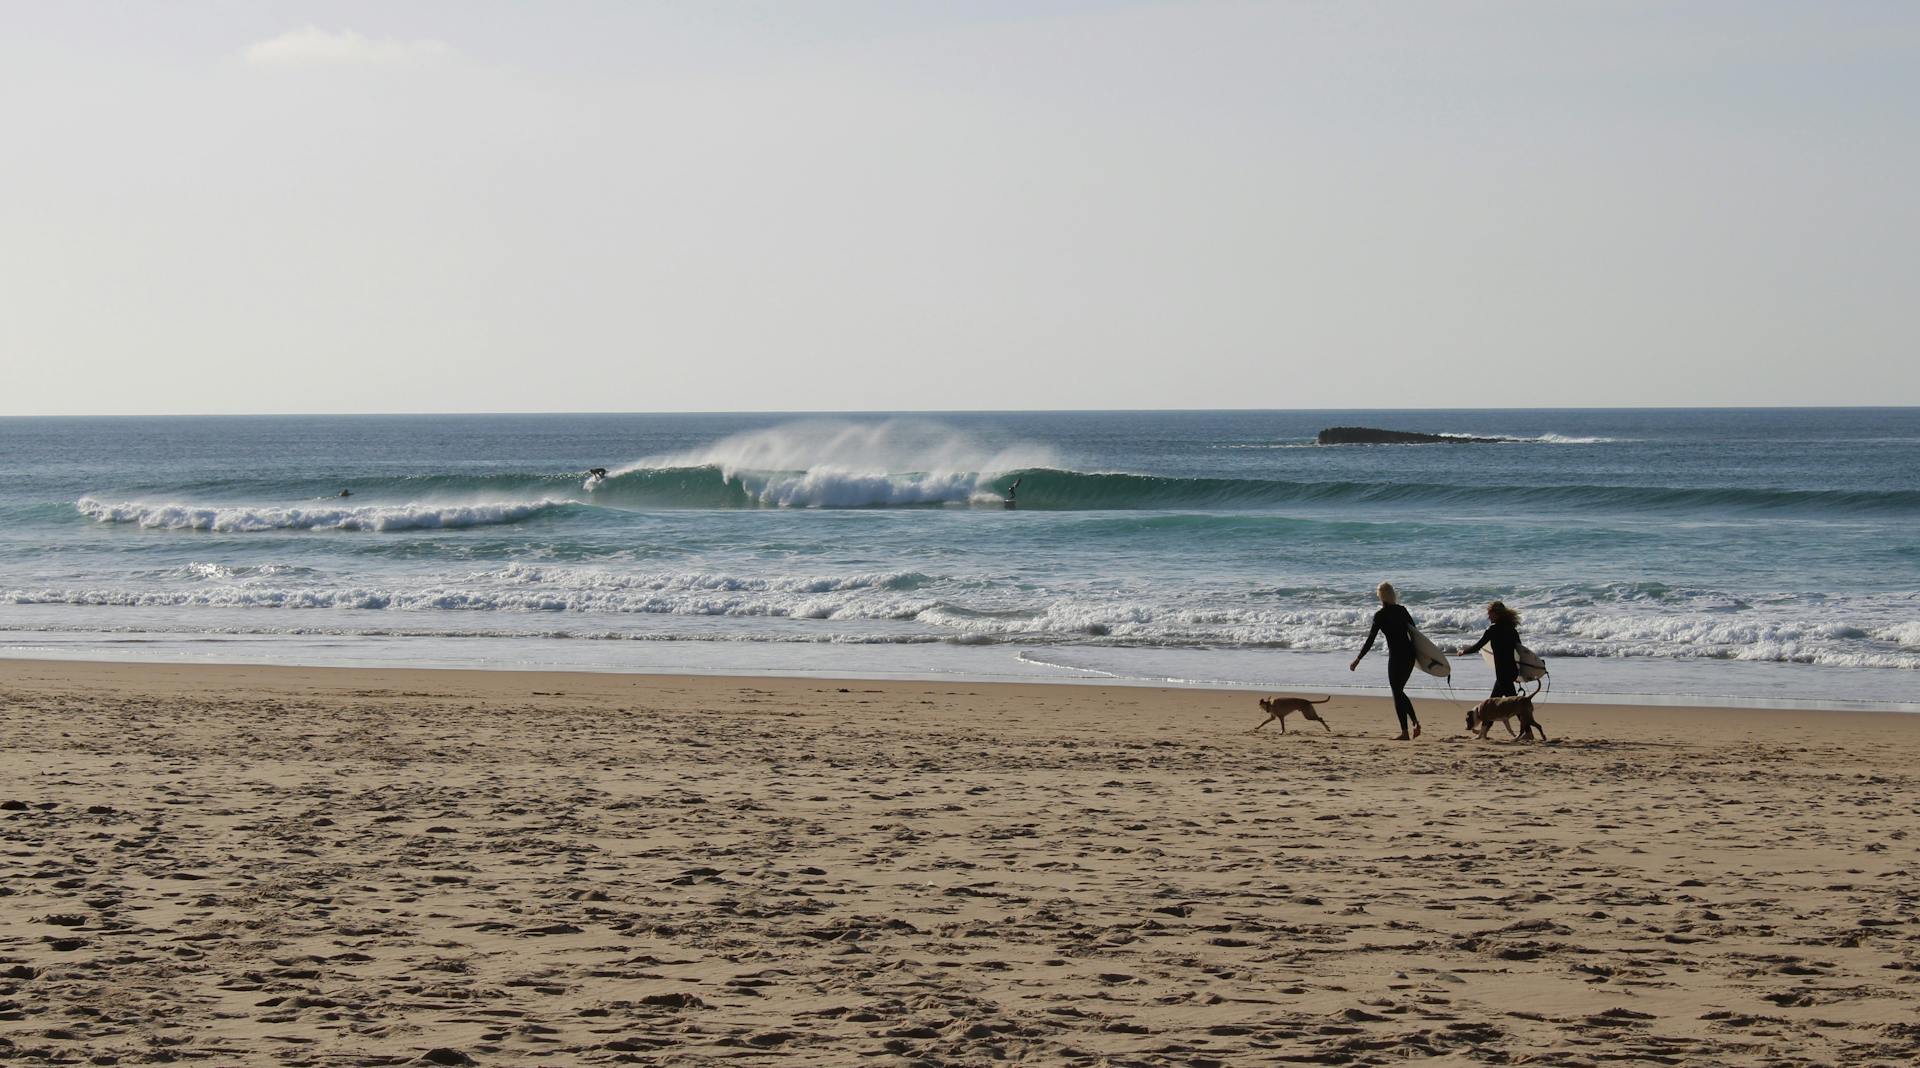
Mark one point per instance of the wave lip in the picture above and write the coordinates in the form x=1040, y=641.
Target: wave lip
x=246, y=519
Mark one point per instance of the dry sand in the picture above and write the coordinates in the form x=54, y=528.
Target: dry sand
x=322, y=866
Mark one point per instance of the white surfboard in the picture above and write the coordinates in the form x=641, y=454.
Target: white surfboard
x=1427, y=656
x=1529, y=662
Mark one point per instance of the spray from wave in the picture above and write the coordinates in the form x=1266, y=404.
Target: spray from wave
x=840, y=464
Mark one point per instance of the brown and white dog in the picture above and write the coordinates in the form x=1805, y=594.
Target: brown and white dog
x=1503, y=710
x=1279, y=707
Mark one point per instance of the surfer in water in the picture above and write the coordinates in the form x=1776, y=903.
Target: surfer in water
x=1504, y=636
x=1011, y=490
x=1396, y=623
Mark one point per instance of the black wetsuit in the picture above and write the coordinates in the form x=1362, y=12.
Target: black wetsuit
x=1505, y=638
x=1396, y=623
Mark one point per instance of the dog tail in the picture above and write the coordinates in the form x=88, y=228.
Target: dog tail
x=1536, y=690
x=1322, y=701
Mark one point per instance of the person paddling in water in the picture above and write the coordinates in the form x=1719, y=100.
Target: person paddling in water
x=1396, y=623
x=1504, y=636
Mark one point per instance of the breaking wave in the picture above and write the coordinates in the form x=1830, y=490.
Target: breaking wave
x=373, y=517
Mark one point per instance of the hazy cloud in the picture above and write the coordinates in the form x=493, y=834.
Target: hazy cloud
x=311, y=46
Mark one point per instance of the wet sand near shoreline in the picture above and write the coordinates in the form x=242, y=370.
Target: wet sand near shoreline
x=348, y=866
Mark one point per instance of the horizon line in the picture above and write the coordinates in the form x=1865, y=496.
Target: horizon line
x=400, y=413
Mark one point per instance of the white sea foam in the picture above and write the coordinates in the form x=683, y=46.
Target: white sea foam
x=1566, y=439
x=1905, y=635
x=217, y=572
x=586, y=578
x=253, y=518
x=1662, y=623
x=1536, y=439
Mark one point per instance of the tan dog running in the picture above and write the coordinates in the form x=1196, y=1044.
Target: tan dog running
x=1279, y=707
x=1503, y=710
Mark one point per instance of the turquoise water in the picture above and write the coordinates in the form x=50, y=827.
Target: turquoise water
x=1746, y=556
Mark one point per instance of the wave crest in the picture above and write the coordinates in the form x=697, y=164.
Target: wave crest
x=832, y=464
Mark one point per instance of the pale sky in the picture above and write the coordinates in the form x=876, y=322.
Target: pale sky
x=912, y=205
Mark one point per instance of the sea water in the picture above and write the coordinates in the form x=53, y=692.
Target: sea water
x=1719, y=555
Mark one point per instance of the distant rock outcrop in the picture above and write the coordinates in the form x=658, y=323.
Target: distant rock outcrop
x=1366, y=435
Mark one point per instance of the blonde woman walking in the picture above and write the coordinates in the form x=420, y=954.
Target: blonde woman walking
x=1396, y=623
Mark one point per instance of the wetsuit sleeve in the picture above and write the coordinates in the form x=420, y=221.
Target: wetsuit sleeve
x=1484, y=639
x=1371, y=635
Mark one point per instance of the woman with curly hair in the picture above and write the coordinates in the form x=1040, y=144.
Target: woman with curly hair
x=1504, y=636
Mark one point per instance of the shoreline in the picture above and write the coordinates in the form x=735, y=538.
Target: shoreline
x=122, y=676
x=1424, y=690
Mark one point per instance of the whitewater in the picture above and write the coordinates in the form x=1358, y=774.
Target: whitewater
x=1717, y=555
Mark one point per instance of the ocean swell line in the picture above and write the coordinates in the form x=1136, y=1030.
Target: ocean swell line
x=1059, y=489
x=513, y=498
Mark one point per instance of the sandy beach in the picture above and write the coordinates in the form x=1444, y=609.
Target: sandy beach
x=332, y=866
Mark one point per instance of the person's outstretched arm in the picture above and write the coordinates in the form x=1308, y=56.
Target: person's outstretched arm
x=1371, y=635
x=1475, y=647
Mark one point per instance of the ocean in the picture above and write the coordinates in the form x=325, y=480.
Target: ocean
x=1747, y=557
